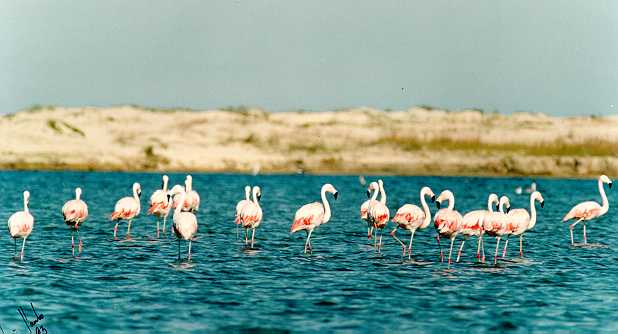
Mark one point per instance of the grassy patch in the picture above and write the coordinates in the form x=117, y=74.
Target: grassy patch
x=53, y=124
x=74, y=129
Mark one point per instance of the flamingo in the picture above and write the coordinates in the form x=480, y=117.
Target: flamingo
x=185, y=225
x=472, y=225
x=447, y=221
x=175, y=195
x=522, y=221
x=75, y=212
x=159, y=204
x=372, y=193
x=251, y=214
x=410, y=217
x=193, y=198
x=589, y=210
x=378, y=215
x=240, y=205
x=495, y=224
x=20, y=225
x=127, y=208
x=312, y=215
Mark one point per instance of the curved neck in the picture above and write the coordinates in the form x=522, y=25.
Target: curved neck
x=532, y=213
x=26, y=204
x=604, y=202
x=374, y=195
x=425, y=208
x=247, y=194
x=135, y=195
x=451, y=201
x=326, y=207
x=181, y=203
x=77, y=195
x=382, y=194
x=164, y=184
x=255, y=199
x=490, y=205
x=188, y=186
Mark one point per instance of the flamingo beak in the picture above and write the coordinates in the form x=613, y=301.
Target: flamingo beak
x=508, y=208
x=259, y=196
x=433, y=198
x=336, y=194
x=497, y=208
x=438, y=205
x=139, y=193
x=368, y=194
x=542, y=203
x=610, y=185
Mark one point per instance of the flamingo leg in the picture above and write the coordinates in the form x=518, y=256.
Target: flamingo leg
x=506, y=243
x=478, y=248
x=571, y=227
x=410, y=246
x=375, y=240
x=369, y=232
x=15, y=246
x=178, y=250
x=252, y=237
x=72, y=243
x=189, y=256
x=403, y=246
x=246, y=236
x=129, y=228
x=585, y=239
x=157, y=228
x=79, y=249
x=482, y=248
x=115, y=230
x=380, y=242
x=21, y=254
x=440, y=247
x=308, y=240
x=496, y=253
x=521, y=245
x=451, y=250
x=460, y=248
x=164, y=221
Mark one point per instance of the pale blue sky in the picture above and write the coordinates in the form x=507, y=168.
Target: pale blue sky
x=557, y=57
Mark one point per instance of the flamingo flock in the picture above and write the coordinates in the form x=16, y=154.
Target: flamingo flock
x=500, y=222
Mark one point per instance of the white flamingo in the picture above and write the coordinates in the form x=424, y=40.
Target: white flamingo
x=410, y=217
x=496, y=224
x=312, y=215
x=185, y=225
x=240, y=205
x=378, y=215
x=251, y=214
x=75, y=213
x=472, y=225
x=522, y=221
x=193, y=198
x=160, y=204
x=20, y=225
x=589, y=210
x=372, y=192
x=127, y=208
x=447, y=221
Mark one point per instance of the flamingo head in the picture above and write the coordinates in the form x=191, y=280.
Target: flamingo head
x=373, y=186
x=504, y=204
x=607, y=180
x=258, y=192
x=26, y=197
x=328, y=188
x=538, y=197
x=444, y=195
x=426, y=191
x=177, y=189
x=137, y=189
x=493, y=199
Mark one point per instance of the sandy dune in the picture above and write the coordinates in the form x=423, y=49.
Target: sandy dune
x=362, y=140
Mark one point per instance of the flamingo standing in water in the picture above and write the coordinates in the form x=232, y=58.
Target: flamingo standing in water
x=127, y=208
x=372, y=193
x=160, y=204
x=589, y=210
x=312, y=215
x=251, y=214
x=75, y=212
x=239, y=207
x=495, y=224
x=193, y=198
x=378, y=215
x=185, y=225
x=20, y=225
x=522, y=221
x=472, y=225
x=447, y=221
x=410, y=217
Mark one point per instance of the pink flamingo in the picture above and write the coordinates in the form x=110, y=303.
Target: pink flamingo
x=75, y=212
x=410, y=217
x=192, y=200
x=372, y=193
x=175, y=196
x=20, y=225
x=127, y=208
x=495, y=224
x=185, y=225
x=378, y=215
x=251, y=214
x=447, y=221
x=472, y=225
x=239, y=207
x=589, y=210
x=160, y=204
x=522, y=221
x=312, y=215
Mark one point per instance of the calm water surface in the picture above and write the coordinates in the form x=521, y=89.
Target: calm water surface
x=138, y=286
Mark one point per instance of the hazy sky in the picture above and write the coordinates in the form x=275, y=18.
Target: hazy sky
x=557, y=57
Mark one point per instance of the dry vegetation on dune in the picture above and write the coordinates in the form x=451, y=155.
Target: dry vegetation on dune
x=361, y=140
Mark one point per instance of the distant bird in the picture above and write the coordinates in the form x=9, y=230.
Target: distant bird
x=447, y=221
x=522, y=221
x=160, y=204
x=589, y=210
x=312, y=215
x=378, y=215
x=20, y=225
x=410, y=218
x=372, y=193
x=251, y=214
x=495, y=224
x=127, y=208
x=519, y=189
x=185, y=225
x=75, y=212
x=472, y=225
x=240, y=205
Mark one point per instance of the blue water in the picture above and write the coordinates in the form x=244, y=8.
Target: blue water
x=138, y=286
